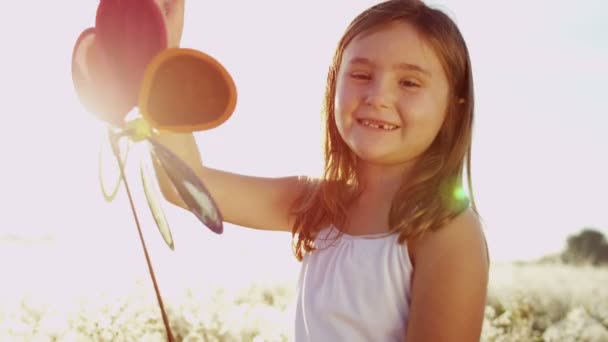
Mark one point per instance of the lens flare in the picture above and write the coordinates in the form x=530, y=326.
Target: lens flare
x=460, y=194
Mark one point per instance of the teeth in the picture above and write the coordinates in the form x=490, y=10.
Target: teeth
x=386, y=127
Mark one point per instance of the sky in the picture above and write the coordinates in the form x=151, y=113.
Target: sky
x=540, y=160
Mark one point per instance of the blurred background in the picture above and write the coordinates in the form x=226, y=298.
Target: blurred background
x=540, y=155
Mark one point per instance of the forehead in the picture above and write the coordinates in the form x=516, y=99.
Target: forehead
x=391, y=44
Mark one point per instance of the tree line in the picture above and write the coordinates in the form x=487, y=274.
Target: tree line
x=588, y=247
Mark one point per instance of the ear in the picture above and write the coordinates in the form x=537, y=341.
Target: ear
x=185, y=90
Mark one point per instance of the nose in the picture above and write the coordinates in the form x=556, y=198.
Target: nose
x=378, y=94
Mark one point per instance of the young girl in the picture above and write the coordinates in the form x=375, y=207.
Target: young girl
x=391, y=248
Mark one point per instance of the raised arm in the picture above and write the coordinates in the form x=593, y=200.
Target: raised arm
x=260, y=203
x=254, y=202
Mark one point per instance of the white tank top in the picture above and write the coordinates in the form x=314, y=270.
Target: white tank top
x=355, y=289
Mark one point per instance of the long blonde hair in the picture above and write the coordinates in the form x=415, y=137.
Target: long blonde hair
x=434, y=195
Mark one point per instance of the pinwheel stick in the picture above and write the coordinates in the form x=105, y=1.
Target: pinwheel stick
x=115, y=150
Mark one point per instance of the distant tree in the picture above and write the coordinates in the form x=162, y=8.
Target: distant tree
x=602, y=255
x=587, y=247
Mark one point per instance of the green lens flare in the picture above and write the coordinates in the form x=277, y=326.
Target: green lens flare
x=460, y=194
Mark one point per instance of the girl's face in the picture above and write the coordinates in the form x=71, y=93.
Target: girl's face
x=173, y=11
x=391, y=95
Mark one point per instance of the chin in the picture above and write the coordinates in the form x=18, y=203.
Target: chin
x=373, y=157
x=378, y=158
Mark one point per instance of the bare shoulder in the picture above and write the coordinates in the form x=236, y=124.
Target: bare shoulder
x=462, y=237
x=449, y=284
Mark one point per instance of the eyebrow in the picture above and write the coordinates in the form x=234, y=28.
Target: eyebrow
x=403, y=66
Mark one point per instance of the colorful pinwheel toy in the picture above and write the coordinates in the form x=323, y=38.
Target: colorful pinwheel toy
x=124, y=65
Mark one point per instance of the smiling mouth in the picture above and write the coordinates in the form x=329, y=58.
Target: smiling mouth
x=377, y=124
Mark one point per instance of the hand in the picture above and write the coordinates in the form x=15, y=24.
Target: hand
x=173, y=11
x=184, y=146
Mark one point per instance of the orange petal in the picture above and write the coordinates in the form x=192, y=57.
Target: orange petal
x=185, y=90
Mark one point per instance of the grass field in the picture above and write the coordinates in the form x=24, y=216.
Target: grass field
x=527, y=302
x=549, y=302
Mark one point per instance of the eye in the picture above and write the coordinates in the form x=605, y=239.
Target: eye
x=360, y=76
x=409, y=83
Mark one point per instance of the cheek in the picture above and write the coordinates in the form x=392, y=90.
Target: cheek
x=424, y=118
x=345, y=100
x=432, y=126
x=341, y=117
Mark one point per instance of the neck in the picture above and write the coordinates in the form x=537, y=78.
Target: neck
x=381, y=182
